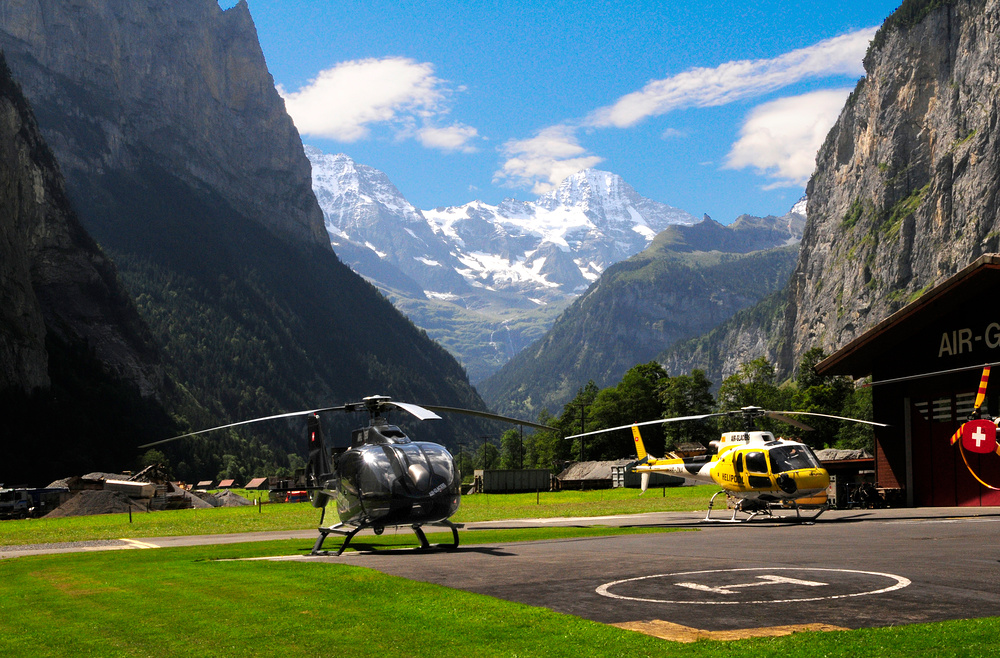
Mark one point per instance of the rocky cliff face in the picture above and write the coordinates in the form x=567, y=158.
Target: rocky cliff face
x=906, y=188
x=905, y=191
x=23, y=360
x=80, y=375
x=115, y=81
x=56, y=281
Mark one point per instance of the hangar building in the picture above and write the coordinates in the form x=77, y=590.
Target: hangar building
x=929, y=357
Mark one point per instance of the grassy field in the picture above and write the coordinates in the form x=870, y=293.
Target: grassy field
x=300, y=516
x=185, y=601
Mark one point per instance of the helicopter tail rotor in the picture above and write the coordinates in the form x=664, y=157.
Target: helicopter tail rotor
x=981, y=394
x=980, y=398
x=318, y=467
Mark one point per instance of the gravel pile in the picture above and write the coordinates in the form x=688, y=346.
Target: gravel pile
x=97, y=502
x=230, y=499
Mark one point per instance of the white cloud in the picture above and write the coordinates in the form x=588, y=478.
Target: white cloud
x=452, y=138
x=731, y=81
x=672, y=133
x=344, y=102
x=780, y=144
x=780, y=138
x=544, y=160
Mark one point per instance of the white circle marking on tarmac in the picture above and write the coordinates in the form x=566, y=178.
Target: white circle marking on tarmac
x=901, y=582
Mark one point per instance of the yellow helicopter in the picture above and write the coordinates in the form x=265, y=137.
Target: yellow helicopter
x=754, y=469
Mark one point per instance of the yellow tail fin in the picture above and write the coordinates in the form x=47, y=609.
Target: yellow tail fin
x=640, y=449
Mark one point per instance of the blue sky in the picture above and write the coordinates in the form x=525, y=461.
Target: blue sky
x=713, y=107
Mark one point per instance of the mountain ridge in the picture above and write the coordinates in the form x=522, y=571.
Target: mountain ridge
x=180, y=159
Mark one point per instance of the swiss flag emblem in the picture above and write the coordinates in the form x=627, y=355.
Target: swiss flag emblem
x=979, y=436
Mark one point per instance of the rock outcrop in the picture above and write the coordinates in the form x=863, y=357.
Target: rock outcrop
x=56, y=283
x=184, y=83
x=905, y=191
x=906, y=188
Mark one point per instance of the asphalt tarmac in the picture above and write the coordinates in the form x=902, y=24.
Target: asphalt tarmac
x=850, y=569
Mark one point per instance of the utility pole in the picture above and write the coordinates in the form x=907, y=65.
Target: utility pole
x=486, y=438
x=583, y=428
x=521, y=427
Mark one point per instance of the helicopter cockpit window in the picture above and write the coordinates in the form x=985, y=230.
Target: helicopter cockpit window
x=756, y=462
x=386, y=434
x=395, y=435
x=792, y=458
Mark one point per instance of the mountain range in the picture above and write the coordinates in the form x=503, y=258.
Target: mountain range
x=484, y=280
x=488, y=281
x=524, y=253
x=689, y=280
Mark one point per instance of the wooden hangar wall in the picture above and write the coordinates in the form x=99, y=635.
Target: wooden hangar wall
x=952, y=330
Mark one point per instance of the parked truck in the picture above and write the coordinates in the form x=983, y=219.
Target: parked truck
x=25, y=503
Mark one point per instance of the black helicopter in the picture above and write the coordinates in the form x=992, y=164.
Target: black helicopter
x=383, y=478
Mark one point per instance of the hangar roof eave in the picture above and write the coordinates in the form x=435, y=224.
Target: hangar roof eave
x=856, y=357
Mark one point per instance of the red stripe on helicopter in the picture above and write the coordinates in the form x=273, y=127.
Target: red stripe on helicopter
x=981, y=395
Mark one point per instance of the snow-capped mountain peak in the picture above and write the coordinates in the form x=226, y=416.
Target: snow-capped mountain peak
x=552, y=248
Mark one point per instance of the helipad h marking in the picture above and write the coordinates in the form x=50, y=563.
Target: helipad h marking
x=764, y=580
x=900, y=583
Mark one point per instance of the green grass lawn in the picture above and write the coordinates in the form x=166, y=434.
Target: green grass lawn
x=301, y=516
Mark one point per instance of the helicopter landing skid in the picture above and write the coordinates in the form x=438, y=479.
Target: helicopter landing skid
x=323, y=532
x=425, y=545
x=761, y=512
x=349, y=534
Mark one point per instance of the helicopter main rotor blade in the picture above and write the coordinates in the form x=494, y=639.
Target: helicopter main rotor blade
x=810, y=413
x=646, y=422
x=419, y=412
x=291, y=414
x=485, y=414
x=778, y=415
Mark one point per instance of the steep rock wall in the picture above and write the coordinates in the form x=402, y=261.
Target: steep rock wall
x=906, y=184
x=184, y=83
x=55, y=280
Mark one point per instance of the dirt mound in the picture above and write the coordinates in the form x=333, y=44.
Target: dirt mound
x=230, y=499
x=97, y=502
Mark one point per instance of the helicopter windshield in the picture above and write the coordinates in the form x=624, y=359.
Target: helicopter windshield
x=792, y=458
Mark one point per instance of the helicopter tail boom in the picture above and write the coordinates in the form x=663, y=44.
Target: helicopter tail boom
x=640, y=449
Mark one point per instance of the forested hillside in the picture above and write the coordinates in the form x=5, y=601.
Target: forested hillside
x=684, y=284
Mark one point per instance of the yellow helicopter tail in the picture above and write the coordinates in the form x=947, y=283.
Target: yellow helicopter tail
x=640, y=449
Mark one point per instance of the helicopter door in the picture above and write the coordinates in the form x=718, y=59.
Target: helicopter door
x=757, y=475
